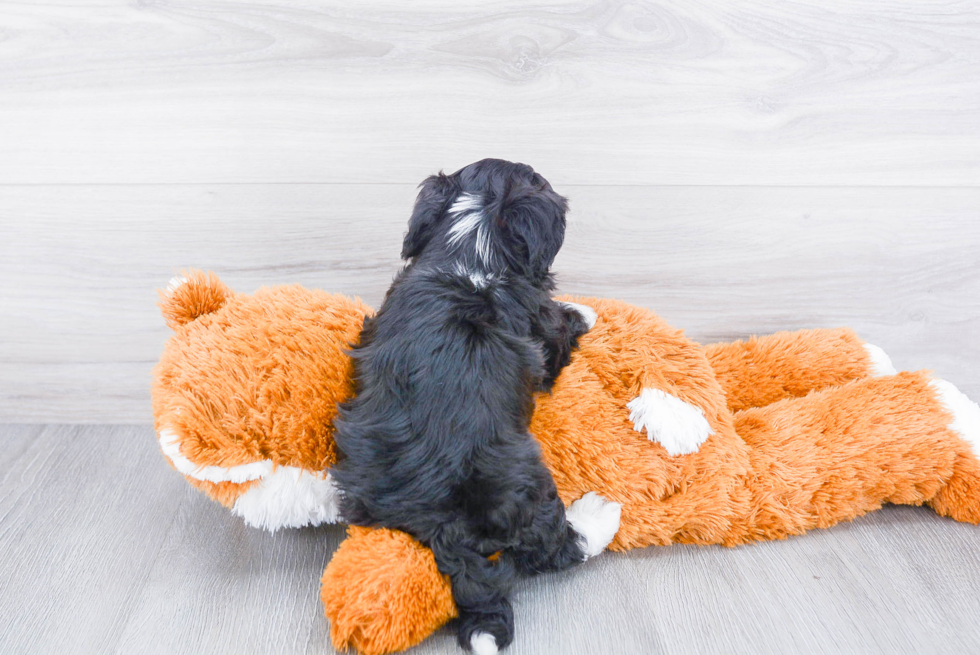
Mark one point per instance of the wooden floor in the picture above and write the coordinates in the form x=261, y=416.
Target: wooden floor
x=738, y=167
x=106, y=549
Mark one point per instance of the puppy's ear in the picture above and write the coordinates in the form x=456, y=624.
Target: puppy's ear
x=534, y=227
x=430, y=206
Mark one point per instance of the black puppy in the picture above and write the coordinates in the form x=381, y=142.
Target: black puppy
x=435, y=441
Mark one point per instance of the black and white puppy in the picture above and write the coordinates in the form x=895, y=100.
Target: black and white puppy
x=435, y=441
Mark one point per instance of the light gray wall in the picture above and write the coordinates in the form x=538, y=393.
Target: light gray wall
x=737, y=167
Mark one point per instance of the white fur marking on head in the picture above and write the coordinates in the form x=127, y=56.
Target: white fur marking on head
x=466, y=202
x=678, y=426
x=588, y=314
x=170, y=444
x=467, y=209
x=290, y=497
x=483, y=643
x=596, y=520
x=881, y=363
x=175, y=283
x=966, y=413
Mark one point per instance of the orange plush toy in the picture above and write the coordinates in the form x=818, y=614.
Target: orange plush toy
x=723, y=444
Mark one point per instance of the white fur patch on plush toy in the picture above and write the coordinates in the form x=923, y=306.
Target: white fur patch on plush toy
x=966, y=413
x=588, y=314
x=596, y=520
x=175, y=283
x=285, y=497
x=170, y=444
x=290, y=498
x=881, y=363
x=678, y=426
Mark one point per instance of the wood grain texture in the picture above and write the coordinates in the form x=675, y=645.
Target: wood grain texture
x=108, y=550
x=79, y=266
x=674, y=92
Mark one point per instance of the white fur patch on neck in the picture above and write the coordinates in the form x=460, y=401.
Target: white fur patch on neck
x=479, y=279
x=596, y=520
x=966, y=413
x=290, y=498
x=879, y=362
x=678, y=426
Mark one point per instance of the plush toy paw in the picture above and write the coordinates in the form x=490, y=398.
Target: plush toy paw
x=587, y=313
x=879, y=361
x=966, y=413
x=596, y=520
x=678, y=426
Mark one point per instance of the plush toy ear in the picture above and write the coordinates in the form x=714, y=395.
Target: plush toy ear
x=430, y=206
x=191, y=294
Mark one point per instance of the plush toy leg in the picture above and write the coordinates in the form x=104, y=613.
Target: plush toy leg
x=764, y=370
x=383, y=593
x=960, y=498
x=841, y=452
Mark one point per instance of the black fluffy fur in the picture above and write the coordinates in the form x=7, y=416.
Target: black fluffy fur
x=435, y=441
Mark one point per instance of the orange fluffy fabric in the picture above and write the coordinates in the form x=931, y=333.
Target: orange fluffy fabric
x=257, y=378
x=801, y=438
x=414, y=598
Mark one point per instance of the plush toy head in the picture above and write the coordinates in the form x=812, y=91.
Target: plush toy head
x=246, y=391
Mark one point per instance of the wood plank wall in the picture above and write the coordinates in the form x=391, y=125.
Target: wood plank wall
x=739, y=168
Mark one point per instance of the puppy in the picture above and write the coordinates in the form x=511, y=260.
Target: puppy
x=435, y=440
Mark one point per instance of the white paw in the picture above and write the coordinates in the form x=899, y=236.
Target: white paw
x=596, y=520
x=483, y=643
x=881, y=363
x=588, y=314
x=678, y=426
x=966, y=413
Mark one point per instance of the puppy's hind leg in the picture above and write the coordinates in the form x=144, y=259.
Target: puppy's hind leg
x=480, y=587
x=560, y=538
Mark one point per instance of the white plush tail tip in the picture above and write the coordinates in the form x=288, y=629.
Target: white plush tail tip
x=881, y=363
x=596, y=520
x=966, y=413
x=483, y=643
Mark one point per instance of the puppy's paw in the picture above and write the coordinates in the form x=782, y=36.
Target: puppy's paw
x=678, y=426
x=587, y=313
x=483, y=643
x=596, y=520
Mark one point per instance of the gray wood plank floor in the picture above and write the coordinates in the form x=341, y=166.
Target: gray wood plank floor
x=108, y=550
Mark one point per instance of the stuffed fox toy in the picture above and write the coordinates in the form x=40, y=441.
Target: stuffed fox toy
x=722, y=444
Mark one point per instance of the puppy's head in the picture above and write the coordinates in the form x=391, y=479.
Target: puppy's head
x=494, y=216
